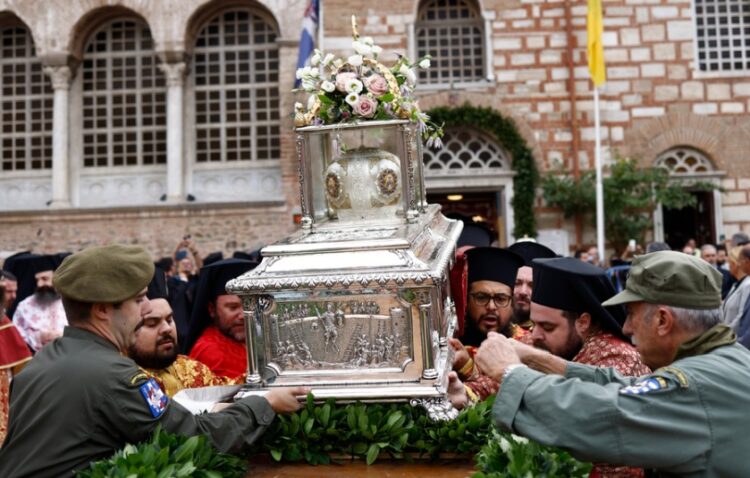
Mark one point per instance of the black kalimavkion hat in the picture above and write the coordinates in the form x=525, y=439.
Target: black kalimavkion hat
x=572, y=285
x=493, y=264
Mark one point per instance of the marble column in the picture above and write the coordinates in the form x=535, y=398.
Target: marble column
x=60, y=76
x=175, y=73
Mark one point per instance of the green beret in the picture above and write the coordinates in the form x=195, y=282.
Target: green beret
x=671, y=278
x=104, y=274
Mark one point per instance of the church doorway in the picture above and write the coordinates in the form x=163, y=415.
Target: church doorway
x=471, y=176
x=703, y=221
x=693, y=222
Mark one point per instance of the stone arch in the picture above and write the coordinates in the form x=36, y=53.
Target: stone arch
x=466, y=150
x=653, y=137
x=11, y=18
x=210, y=9
x=504, y=130
x=683, y=161
x=417, y=6
x=92, y=20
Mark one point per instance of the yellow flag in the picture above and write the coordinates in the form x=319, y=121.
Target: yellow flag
x=595, y=48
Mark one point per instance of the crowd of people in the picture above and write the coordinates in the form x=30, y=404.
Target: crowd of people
x=599, y=364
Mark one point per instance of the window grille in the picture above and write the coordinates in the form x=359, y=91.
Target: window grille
x=684, y=161
x=467, y=151
x=26, y=99
x=723, y=35
x=236, y=66
x=451, y=31
x=124, y=98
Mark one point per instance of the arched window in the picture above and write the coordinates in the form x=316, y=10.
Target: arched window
x=451, y=31
x=25, y=104
x=236, y=64
x=468, y=151
x=124, y=98
x=683, y=161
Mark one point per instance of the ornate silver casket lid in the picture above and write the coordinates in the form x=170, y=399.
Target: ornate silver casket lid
x=408, y=254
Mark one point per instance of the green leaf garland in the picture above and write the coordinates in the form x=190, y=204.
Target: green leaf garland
x=319, y=433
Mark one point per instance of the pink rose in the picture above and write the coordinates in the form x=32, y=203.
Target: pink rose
x=365, y=107
x=343, y=78
x=376, y=85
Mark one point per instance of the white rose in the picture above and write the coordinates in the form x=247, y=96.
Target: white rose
x=352, y=98
x=328, y=59
x=328, y=86
x=315, y=59
x=368, y=41
x=411, y=78
x=424, y=63
x=299, y=73
x=309, y=84
x=361, y=48
x=376, y=50
x=353, y=86
x=355, y=60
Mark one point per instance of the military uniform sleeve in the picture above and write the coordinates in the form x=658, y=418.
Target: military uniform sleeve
x=135, y=406
x=231, y=429
x=657, y=422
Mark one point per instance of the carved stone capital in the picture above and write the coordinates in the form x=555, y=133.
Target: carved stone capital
x=175, y=73
x=60, y=76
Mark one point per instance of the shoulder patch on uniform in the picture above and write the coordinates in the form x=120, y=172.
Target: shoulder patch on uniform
x=154, y=396
x=648, y=385
x=138, y=377
x=676, y=373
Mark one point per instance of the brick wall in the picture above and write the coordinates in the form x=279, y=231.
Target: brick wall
x=654, y=100
x=226, y=229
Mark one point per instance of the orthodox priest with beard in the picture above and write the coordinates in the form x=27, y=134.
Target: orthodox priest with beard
x=570, y=322
x=524, y=285
x=40, y=317
x=491, y=275
x=156, y=351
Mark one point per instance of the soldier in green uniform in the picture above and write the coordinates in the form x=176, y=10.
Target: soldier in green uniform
x=689, y=418
x=81, y=398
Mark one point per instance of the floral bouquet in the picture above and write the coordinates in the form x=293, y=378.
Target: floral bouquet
x=360, y=88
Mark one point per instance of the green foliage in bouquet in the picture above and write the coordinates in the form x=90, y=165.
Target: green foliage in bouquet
x=168, y=456
x=511, y=456
x=505, y=132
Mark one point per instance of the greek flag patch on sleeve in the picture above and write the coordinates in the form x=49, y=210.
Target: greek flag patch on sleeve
x=645, y=386
x=154, y=396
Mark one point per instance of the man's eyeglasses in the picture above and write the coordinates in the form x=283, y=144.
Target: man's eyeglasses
x=500, y=300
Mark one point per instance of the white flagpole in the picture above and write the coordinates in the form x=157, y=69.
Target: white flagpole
x=599, y=185
x=321, y=33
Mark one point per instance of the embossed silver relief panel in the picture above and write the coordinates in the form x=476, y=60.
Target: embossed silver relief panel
x=360, y=331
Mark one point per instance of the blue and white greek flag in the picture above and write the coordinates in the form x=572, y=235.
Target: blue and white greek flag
x=309, y=32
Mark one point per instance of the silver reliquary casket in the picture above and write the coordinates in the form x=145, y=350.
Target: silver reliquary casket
x=356, y=304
